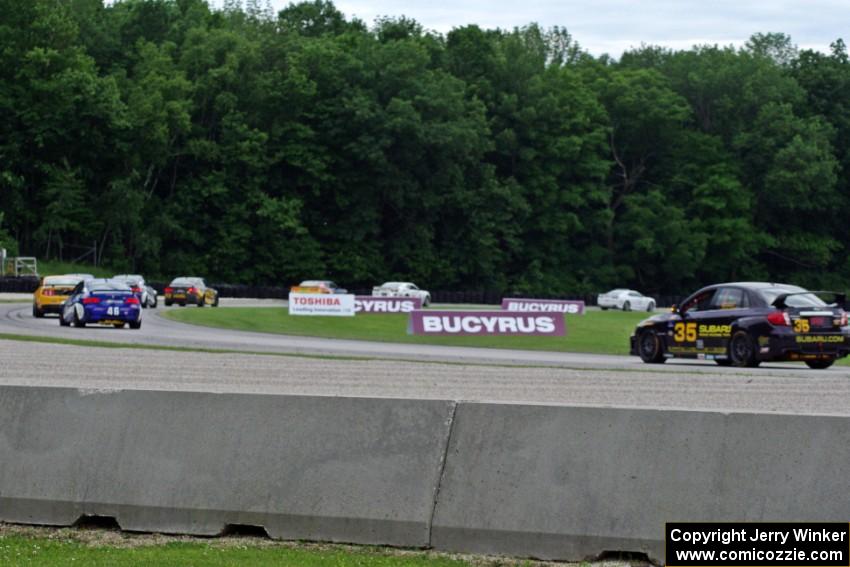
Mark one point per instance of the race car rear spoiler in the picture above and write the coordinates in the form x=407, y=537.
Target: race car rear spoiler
x=840, y=298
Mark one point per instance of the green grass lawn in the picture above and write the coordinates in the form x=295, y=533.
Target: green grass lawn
x=18, y=550
x=601, y=332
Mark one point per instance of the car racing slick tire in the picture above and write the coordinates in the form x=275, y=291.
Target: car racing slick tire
x=649, y=348
x=36, y=312
x=627, y=306
x=742, y=350
x=136, y=324
x=723, y=362
x=215, y=303
x=168, y=303
x=603, y=308
x=62, y=321
x=118, y=325
x=650, y=307
x=202, y=301
x=155, y=302
x=819, y=364
x=79, y=323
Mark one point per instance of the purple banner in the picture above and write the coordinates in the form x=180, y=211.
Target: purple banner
x=543, y=305
x=486, y=323
x=371, y=304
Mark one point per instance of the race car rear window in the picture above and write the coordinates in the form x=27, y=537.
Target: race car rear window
x=110, y=286
x=182, y=281
x=61, y=282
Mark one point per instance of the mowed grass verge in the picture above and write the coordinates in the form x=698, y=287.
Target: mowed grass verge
x=18, y=550
x=597, y=332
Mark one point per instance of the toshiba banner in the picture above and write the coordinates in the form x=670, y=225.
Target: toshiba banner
x=543, y=305
x=370, y=304
x=330, y=304
x=486, y=323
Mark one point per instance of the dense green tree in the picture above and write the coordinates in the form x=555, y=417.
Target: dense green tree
x=173, y=136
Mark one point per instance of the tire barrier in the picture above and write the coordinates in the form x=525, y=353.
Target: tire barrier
x=23, y=284
x=551, y=482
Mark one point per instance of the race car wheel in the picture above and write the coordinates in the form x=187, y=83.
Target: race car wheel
x=215, y=303
x=649, y=348
x=723, y=362
x=819, y=364
x=627, y=306
x=167, y=303
x=155, y=302
x=427, y=301
x=650, y=307
x=79, y=323
x=202, y=301
x=604, y=308
x=136, y=324
x=118, y=325
x=62, y=321
x=36, y=312
x=742, y=351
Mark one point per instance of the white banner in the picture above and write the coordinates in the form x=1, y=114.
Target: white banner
x=323, y=304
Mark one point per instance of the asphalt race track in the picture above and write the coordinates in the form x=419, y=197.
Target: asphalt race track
x=473, y=374
x=157, y=330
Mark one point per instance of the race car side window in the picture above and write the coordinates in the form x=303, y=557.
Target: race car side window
x=700, y=302
x=730, y=298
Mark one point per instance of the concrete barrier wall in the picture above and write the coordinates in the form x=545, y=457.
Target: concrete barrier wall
x=526, y=480
x=570, y=483
x=330, y=469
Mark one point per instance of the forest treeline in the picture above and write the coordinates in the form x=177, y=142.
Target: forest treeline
x=258, y=147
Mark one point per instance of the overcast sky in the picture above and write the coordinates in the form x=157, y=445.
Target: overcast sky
x=611, y=26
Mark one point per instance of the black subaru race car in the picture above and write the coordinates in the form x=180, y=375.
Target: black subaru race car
x=746, y=323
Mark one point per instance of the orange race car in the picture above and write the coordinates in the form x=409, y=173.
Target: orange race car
x=53, y=291
x=317, y=286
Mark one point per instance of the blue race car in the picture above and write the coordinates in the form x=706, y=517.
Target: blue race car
x=104, y=302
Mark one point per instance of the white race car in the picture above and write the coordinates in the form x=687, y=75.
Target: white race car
x=625, y=299
x=402, y=289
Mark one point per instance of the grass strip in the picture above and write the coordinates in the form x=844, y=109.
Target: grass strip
x=17, y=550
x=596, y=332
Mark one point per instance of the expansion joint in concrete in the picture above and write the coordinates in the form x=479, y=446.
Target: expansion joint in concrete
x=445, y=457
